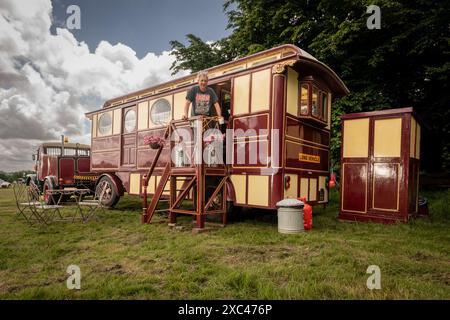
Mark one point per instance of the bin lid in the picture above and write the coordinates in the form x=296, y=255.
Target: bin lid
x=290, y=202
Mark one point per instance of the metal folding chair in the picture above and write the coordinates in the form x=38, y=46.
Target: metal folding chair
x=23, y=204
x=43, y=211
x=93, y=205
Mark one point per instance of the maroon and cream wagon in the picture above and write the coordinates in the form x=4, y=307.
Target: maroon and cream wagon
x=283, y=90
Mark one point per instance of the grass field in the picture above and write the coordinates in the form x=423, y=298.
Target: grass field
x=120, y=258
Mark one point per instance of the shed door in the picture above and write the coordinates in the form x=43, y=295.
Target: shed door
x=129, y=127
x=355, y=165
x=385, y=164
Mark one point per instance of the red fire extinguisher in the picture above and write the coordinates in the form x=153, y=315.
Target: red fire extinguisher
x=307, y=215
x=332, y=182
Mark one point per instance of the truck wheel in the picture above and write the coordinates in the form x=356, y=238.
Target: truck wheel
x=111, y=196
x=65, y=198
x=47, y=198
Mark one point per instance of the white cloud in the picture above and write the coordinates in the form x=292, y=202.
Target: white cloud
x=48, y=82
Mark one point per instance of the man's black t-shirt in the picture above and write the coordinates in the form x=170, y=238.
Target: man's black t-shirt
x=201, y=101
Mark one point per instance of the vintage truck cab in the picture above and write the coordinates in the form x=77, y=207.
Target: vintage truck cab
x=61, y=165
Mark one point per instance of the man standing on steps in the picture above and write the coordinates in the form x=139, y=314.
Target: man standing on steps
x=202, y=98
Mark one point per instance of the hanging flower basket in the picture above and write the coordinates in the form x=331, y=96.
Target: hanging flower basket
x=155, y=142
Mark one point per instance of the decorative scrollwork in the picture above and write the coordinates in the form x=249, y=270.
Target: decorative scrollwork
x=280, y=67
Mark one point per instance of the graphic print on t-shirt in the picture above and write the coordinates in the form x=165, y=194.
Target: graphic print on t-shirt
x=202, y=103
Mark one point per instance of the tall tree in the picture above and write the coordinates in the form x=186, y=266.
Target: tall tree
x=405, y=63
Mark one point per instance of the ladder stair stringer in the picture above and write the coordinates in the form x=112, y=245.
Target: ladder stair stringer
x=146, y=179
x=158, y=193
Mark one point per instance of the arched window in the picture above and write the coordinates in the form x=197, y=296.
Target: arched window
x=105, y=124
x=130, y=121
x=160, y=112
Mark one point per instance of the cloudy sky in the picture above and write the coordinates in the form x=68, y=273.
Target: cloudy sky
x=50, y=75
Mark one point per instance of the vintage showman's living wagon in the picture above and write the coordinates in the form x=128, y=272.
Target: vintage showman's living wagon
x=280, y=99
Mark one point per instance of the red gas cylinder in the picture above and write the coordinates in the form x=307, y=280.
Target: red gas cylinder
x=307, y=215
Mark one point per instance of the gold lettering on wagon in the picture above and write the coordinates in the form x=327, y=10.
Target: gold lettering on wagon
x=308, y=158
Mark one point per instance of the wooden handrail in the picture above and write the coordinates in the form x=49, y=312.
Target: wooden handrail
x=155, y=159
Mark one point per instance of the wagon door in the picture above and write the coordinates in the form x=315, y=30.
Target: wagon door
x=128, y=157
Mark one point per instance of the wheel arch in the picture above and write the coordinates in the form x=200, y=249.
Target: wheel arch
x=53, y=181
x=231, y=193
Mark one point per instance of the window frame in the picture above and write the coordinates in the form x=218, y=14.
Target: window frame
x=150, y=113
x=126, y=112
x=308, y=103
x=319, y=116
x=46, y=151
x=110, y=130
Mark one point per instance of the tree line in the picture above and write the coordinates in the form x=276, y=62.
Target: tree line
x=404, y=63
x=13, y=176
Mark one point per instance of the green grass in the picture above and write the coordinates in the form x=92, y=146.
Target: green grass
x=123, y=259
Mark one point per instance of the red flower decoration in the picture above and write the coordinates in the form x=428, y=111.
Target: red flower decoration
x=155, y=142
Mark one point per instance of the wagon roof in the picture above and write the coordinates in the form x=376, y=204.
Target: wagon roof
x=66, y=145
x=270, y=56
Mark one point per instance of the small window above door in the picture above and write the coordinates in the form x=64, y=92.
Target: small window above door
x=130, y=121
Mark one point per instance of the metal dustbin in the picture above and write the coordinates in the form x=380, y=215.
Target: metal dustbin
x=290, y=216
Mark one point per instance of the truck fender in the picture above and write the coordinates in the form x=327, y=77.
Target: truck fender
x=53, y=181
x=115, y=180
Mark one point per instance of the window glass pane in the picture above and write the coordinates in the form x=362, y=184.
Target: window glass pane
x=104, y=124
x=315, y=102
x=325, y=106
x=304, y=99
x=160, y=112
x=83, y=152
x=53, y=151
x=69, y=152
x=130, y=121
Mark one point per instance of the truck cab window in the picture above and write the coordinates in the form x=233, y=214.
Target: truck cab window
x=83, y=152
x=53, y=151
x=69, y=152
